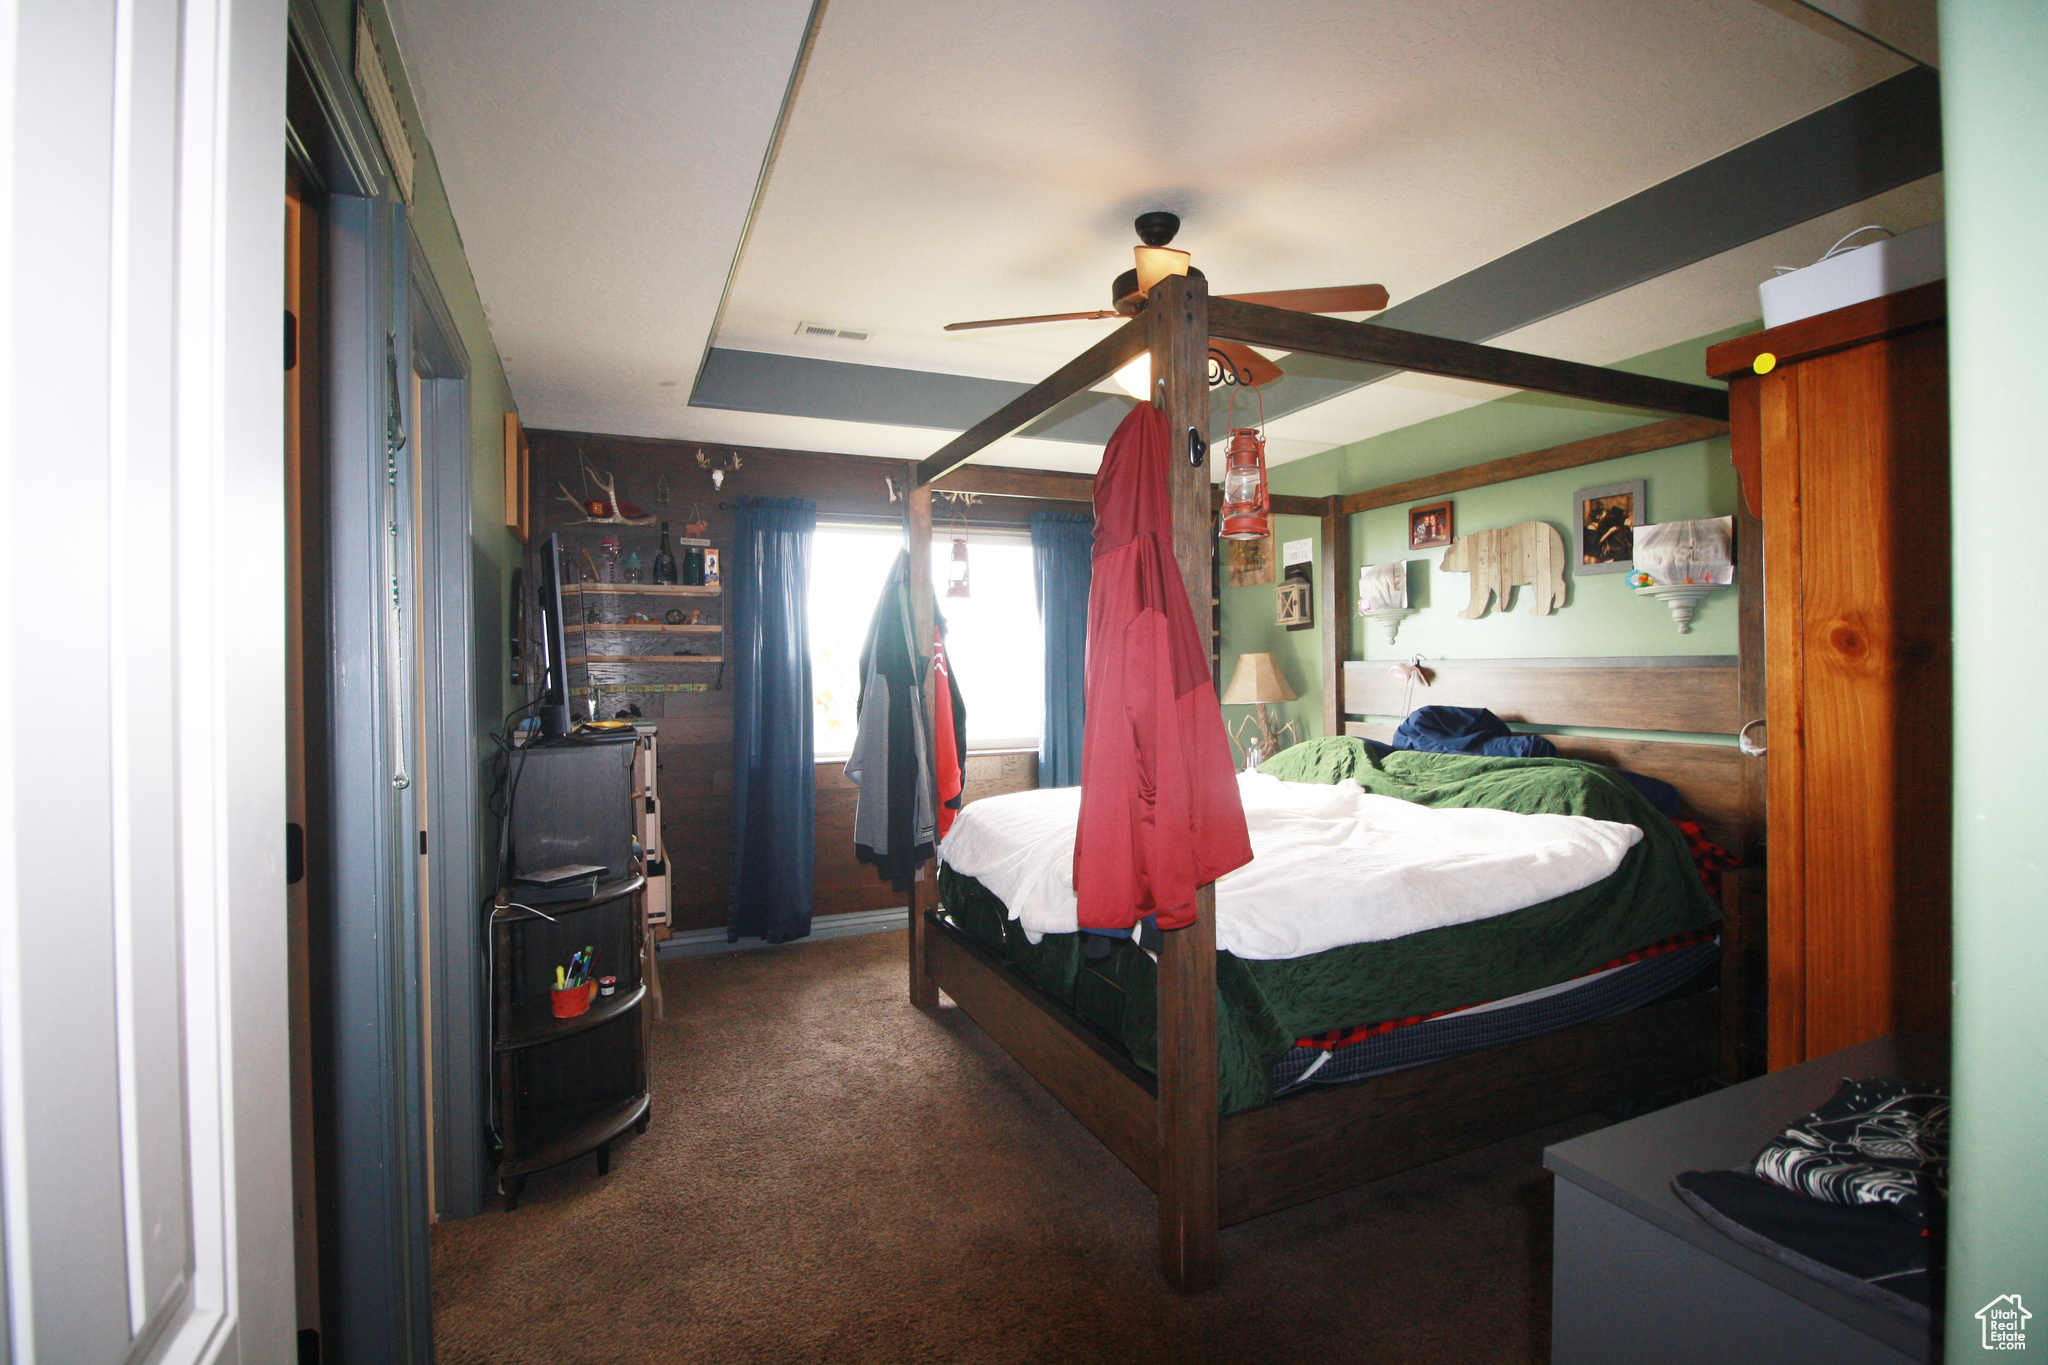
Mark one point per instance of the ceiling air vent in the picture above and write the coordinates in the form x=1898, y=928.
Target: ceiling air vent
x=822, y=332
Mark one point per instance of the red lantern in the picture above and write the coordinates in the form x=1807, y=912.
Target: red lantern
x=1245, y=506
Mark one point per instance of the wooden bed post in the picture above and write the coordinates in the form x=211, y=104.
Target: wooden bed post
x=1188, y=1224
x=924, y=892
x=1334, y=606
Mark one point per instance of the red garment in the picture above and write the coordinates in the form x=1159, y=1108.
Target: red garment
x=1160, y=815
x=947, y=758
x=1709, y=857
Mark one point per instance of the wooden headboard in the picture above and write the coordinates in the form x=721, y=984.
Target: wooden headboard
x=1694, y=695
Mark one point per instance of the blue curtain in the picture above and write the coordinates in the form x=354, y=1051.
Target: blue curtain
x=773, y=797
x=1063, y=550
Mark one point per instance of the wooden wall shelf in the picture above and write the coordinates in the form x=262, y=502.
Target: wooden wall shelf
x=655, y=627
x=648, y=589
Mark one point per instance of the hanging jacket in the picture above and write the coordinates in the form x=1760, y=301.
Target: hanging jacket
x=949, y=758
x=1160, y=815
x=893, y=828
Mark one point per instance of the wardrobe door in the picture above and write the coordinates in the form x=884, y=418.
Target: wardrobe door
x=1856, y=497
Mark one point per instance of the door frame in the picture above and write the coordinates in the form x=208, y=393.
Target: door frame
x=364, y=958
x=458, y=1038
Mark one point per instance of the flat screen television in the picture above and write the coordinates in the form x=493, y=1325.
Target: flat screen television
x=554, y=653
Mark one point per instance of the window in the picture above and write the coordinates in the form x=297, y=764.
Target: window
x=993, y=637
x=849, y=565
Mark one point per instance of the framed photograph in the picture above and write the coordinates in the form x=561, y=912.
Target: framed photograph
x=1605, y=520
x=518, y=510
x=710, y=568
x=1296, y=605
x=1430, y=526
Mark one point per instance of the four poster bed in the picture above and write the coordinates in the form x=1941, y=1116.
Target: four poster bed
x=1211, y=1168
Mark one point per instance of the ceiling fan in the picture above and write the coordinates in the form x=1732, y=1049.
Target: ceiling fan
x=1156, y=260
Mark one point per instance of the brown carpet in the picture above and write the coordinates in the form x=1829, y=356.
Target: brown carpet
x=832, y=1175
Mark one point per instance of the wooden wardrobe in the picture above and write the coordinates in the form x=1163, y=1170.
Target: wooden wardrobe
x=1839, y=428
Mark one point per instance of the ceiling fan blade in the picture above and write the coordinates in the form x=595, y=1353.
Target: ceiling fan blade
x=1348, y=298
x=1254, y=370
x=1042, y=317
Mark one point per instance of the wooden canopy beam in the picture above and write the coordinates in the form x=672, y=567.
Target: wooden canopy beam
x=1001, y=481
x=1083, y=372
x=1053, y=485
x=1677, y=431
x=1187, y=1120
x=1372, y=344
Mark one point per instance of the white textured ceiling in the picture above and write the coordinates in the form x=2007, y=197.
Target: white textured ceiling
x=600, y=158
x=947, y=160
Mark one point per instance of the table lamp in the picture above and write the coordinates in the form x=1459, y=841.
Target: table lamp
x=1257, y=682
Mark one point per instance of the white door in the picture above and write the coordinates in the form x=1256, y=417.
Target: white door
x=144, y=1114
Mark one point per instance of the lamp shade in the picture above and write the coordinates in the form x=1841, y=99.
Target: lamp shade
x=1155, y=263
x=1257, y=680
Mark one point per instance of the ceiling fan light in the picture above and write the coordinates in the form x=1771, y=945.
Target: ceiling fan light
x=1135, y=378
x=1155, y=263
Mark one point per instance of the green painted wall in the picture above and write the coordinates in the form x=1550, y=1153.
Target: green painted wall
x=1600, y=616
x=1994, y=86
x=1508, y=426
x=1249, y=627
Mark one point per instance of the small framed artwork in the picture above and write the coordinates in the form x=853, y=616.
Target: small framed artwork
x=1606, y=519
x=1296, y=602
x=518, y=510
x=1250, y=561
x=710, y=568
x=1430, y=526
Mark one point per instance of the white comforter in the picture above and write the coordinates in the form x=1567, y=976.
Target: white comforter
x=1330, y=865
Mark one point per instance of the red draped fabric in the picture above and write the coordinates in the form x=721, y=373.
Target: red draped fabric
x=1159, y=810
x=950, y=758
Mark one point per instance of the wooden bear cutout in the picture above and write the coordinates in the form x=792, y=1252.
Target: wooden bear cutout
x=1531, y=552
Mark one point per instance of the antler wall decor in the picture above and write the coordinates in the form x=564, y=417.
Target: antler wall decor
x=609, y=510
x=719, y=468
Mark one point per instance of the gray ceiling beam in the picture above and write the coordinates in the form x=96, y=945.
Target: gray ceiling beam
x=1878, y=139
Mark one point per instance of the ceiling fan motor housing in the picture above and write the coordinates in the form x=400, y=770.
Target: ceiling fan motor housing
x=1157, y=227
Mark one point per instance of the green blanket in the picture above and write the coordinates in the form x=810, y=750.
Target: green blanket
x=1264, y=1006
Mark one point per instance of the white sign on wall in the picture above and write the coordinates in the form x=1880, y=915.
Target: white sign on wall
x=1297, y=552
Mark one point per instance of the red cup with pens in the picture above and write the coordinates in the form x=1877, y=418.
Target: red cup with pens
x=575, y=987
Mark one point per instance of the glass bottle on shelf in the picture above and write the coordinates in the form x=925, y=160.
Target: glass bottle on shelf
x=634, y=572
x=664, y=561
x=693, y=565
x=608, y=551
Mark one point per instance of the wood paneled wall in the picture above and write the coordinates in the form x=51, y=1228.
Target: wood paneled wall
x=843, y=882
x=695, y=728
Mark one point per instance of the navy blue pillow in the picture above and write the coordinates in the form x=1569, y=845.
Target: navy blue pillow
x=1662, y=795
x=1467, y=730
